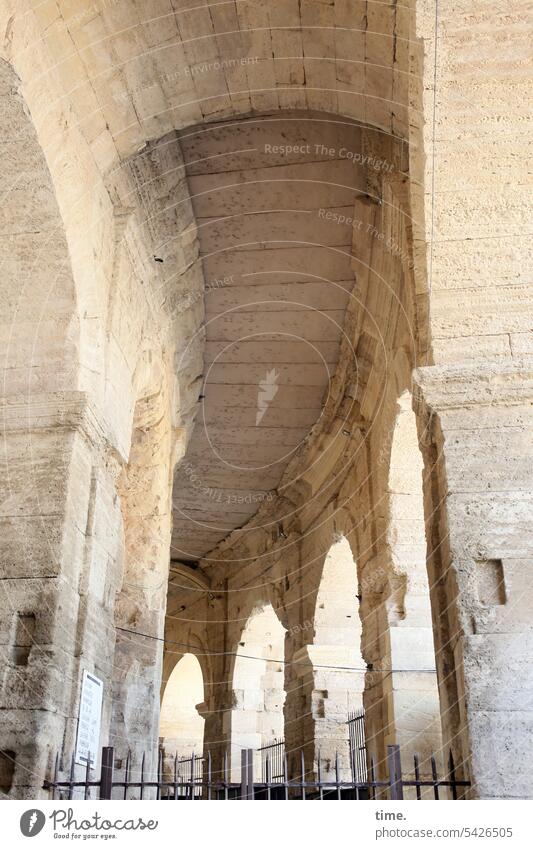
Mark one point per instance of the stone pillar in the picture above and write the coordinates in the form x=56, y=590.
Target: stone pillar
x=375, y=646
x=61, y=565
x=145, y=496
x=412, y=684
x=333, y=682
x=217, y=712
x=414, y=709
x=298, y=710
x=477, y=429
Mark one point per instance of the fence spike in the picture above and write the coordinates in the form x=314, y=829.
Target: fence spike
x=395, y=772
x=56, y=773
x=451, y=766
x=87, y=770
x=319, y=775
x=435, y=777
x=417, y=776
x=127, y=770
x=106, y=773
x=372, y=776
x=225, y=768
x=142, y=776
x=159, y=772
x=71, y=778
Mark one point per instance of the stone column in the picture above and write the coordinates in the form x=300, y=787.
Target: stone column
x=145, y=496
x=298, y=709
x=332, y=689
x=61, y=562
x=478, y=427
x=217, y=713
x=375, y=645
x=414, y=711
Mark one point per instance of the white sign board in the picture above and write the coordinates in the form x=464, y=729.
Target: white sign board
x=92, y=693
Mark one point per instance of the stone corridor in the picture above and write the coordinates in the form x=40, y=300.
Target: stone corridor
x=267, y=383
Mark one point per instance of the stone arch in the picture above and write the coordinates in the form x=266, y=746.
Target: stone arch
x=40, y=323
x=42, y=462
x=251, y=64
x=258, y=686
x=337, y=607
x=415, y=722
x=178, y=642
x=336, y=664
x=181, y=725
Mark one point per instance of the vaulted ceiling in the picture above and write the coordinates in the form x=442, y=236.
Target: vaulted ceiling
x=273, y=199
x=274, y=237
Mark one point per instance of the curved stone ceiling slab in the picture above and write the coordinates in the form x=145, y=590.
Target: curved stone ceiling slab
x=273, y=199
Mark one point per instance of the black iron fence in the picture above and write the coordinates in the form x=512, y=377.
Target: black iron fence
x=357, y=742
x=184, y=772
x=201, y=783
x=273, y=766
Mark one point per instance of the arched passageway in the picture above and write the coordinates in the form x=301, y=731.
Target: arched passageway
x=181, y=726
x=258, y=687
x=338, y=666
x=411, y=688
x=114, y=191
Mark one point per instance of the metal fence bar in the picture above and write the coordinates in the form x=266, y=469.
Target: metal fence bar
x=106, y=773
x=244, y=773
x=250, y=790
x=357, y=743
x=127, y=774
x=71, y=778
x=275, y=752
x=198, y=782
x=372, y=778
x=451, y=767
x=395, y=772
x=56, y=774
x=226, y=791
x=435, y=777
x=319, y=776
x=160, y=756
x=142, y=775
x=417, y=778
x=302, y=772
x=192, y=777
x=176, y=776
x=87, y=770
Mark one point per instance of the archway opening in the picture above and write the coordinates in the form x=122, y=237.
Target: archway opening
x=258, y=688
x=181, y=726
x=338, y=665
x=414, y=700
